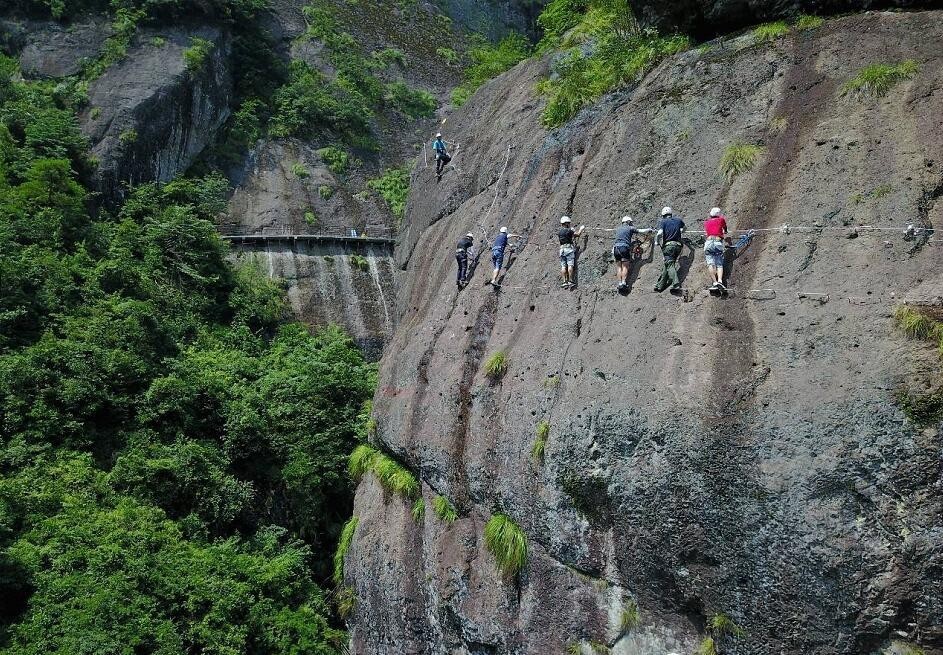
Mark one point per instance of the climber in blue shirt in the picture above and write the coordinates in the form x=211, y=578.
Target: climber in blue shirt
x=441, y=155
x=497, y=254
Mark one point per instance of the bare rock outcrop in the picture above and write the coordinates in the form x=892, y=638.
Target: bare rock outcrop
x=745, y=457
x=53, y=50
x=153, y=113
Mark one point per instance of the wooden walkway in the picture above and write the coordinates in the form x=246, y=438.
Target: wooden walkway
x=309, y=238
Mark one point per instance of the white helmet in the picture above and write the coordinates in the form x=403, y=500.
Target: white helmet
x=564, y=220
x=715, y=212
x=504, y=230
x=667, y=211
x=470, y=235
x=627, y=219
x=438, y=135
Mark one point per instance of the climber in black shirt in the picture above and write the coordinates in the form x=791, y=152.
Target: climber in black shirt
x=568, y=250
x=461, y=256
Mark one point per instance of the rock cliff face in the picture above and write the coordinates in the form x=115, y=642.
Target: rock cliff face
x=744, y=456
x=151, y=115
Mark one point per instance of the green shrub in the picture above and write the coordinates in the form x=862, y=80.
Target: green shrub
x=336, y=159
x=448, y=55
x=808, y=22
x=158, y=41
x=419, y=510
x=390, y=56
x=195, y=56
x=414, y=103
x=298, y=170
x=360, y=262
x=325, y=192
x=311, y=218
x=393, y=187
x=738, y=158
x=128, y=137
x=444, y=509
x=580, y=79
x=878, y=79
x=771, y=31
x=508, y=543
x=496, y=365
x=489, y=61
x=343, y=545
x=310, y=103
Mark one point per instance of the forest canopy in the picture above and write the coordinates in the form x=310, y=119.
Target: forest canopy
x=172, y=448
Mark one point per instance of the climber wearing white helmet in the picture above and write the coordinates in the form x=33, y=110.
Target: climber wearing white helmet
x=497, y=254
x=568, y=250
x=461, y=256
x=715, y=229
x=622, y=249
x=670, y=235
x=441, y=155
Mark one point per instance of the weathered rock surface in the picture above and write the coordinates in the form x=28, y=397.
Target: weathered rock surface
x=495, y=18
x=738, y=456
x=149, y=116
x=283, y=181
x=708, y=17
x=53, y=50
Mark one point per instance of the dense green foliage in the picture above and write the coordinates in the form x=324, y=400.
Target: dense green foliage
x=393, y=187
x=603, y=50
x=172, y=452
x=490, y=60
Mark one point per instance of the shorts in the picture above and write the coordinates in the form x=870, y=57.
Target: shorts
x=497, y=259
x=567, y=256
x=714, y=253
x=622, y=253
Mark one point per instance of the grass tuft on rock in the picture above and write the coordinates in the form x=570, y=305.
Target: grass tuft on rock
x=918, y=325
x=629, y=618
x=346, y=602
x=877, y=80
x=706, y=647
x=809, y=22
x=497, y=365
x=739, y=158
x=444, y=509
x=540, y=443
x=771, y=31
x=343, y=545
x=393, y=476
x=419, y=510
x=507, y=542
x=723, y=626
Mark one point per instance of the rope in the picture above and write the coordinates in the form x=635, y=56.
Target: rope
x=909, y=230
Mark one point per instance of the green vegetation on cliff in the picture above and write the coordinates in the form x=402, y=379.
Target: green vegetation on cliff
x=603, y=49
x=172, y=451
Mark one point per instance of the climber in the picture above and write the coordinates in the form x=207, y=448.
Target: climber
x=622, y=249
x=461, y=256
x=497, y=254
x=441, y=155
x=568, y=250
x=670, y=234
x=715, y=229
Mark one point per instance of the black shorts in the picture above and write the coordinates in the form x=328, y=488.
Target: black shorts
x=622, y=253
